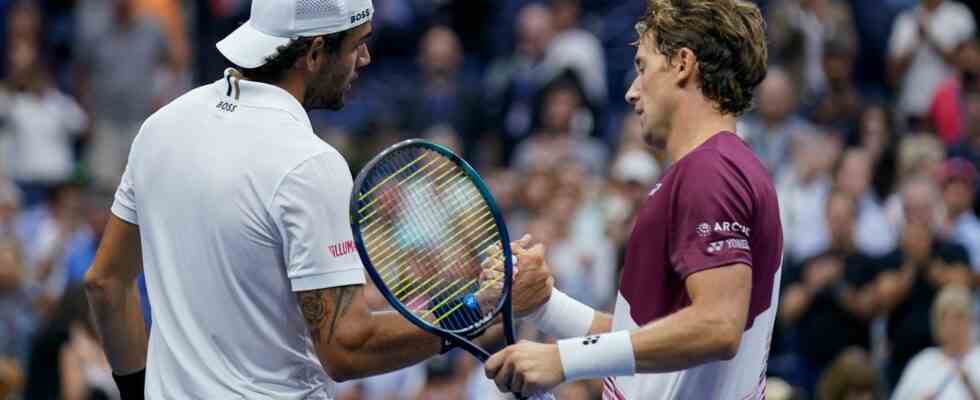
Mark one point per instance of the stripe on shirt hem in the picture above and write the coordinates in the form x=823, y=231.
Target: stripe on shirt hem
x=124, y=212
x=344, y=277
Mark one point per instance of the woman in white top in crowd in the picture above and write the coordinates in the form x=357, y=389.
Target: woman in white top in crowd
x=950, y=371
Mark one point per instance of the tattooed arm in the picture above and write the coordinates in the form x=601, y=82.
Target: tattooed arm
x=353, y=342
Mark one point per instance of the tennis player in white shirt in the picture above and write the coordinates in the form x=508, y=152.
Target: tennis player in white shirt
x=238, y=215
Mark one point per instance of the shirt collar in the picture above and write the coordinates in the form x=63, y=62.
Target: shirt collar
x=260, y=95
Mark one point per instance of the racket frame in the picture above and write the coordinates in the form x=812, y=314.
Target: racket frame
x=503, y=307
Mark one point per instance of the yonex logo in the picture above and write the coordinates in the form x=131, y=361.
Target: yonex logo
x=704, y=229
x=590, y=340
x=715, y=247
x=360, y=16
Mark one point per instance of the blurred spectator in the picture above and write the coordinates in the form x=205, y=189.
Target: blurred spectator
x=876, y=136
x=921, y=51
x=952, y=369
x=874, y=234
x=946, y=109
x=118, y=68
x=850, y=377
x=919, y=157
x=797, y=31
x=448, y=375
x=67, y=344
x=17, y=316
x=913, y=274
x=771, y=128
x=513, y=82
x=562, y=137
x=959, y=186
x=9, y=207
x=45, y=232
x=830, y=299
x=969, y=144
x=440, y=96
x=839, y=103
x=584, y=260
x=42, y=123
x=577, y=50
x=802, y=189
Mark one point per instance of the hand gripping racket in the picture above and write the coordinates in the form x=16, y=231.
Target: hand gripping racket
x=427, y=228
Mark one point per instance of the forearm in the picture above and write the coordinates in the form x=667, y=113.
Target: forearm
x=601, y=323
x=395, y=344
x=119, y=321
x=684, y=340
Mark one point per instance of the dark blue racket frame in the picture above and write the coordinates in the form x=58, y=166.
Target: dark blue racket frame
x=503, y=306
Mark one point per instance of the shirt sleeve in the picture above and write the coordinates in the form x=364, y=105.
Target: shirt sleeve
x=310, y=210
x=124, y=203
x=711, y=217
x=904, y=35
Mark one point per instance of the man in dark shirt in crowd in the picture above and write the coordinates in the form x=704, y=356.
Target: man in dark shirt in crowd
x=913, y=275
x=829, y=300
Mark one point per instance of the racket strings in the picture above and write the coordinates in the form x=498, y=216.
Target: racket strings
x=424, y=212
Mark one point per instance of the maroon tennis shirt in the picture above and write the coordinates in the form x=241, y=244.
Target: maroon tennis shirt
x=714, y=207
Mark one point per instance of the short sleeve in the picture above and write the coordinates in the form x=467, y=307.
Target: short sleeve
x=124, y=203
x=904, y=35
x=310, y=209
x=711, y=215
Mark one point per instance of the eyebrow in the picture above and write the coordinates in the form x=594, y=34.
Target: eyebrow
x=365, y=38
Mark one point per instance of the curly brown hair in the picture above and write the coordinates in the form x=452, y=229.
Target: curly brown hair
x=728, y=38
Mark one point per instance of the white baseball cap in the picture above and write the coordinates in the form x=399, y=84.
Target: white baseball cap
x=274, y=23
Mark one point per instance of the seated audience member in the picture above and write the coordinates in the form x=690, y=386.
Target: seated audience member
x=913, y=275
x=829, y=299
x=17, y=314
x=853, y=174
x=802, y=189
x=950, y=371
x=851, y=377
x=959, y=181
x=771, y=129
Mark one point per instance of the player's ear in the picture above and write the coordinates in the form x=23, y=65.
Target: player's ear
x=315, y=56
x=684, y=63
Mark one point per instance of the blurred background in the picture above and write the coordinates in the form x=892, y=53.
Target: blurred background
x=869, y=122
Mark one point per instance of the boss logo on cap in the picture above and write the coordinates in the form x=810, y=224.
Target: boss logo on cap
x=360, y=16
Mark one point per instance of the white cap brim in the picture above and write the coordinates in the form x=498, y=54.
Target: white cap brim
x=248, y=47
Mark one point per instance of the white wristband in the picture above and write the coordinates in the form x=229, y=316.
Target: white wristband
x=563, y=316
x=609, y=354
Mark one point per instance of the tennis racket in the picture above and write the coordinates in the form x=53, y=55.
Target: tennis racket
x=433, y=241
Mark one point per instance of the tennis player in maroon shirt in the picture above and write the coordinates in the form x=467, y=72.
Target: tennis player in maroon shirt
x=698, y=296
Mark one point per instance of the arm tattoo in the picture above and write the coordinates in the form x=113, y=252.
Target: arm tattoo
x=344, y=296
x=314, y=312
x=314, y=306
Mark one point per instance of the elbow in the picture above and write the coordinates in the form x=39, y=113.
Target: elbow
x=95, y=284
x=339, y=371
x=728, y=341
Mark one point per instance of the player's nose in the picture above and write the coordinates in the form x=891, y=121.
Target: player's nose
x=633, y=95
x=364, y=56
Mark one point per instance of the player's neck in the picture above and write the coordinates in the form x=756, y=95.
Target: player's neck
x=692, y=125
x=295, y=86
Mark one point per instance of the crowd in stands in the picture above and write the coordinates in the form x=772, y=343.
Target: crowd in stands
x=868, y=120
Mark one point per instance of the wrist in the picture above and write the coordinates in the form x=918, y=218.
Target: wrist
x=609, y=354
x=563, y=317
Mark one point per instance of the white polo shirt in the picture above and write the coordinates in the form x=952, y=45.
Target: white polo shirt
x=239, y=205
